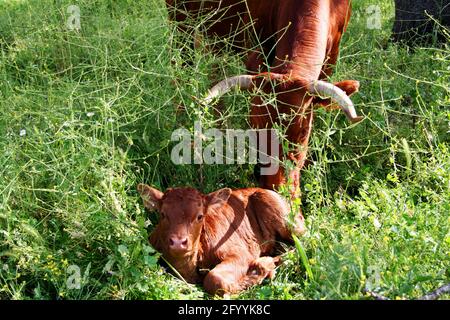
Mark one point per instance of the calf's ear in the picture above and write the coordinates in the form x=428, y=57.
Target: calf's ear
x=218, y=198
x=151, y=196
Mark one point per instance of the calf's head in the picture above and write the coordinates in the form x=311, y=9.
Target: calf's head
x=182, y=213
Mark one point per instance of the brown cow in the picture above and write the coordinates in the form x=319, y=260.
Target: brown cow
x=229, y=233
x=296, y=48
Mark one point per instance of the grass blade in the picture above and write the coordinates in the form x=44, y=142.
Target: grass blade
x=303, y=257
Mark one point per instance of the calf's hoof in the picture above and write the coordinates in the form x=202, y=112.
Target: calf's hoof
x=262, y=268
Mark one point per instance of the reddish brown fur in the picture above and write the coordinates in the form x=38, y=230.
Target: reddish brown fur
x=233, y=240
x=306, y=36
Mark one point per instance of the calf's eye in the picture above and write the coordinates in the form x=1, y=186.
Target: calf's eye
x=200, y=217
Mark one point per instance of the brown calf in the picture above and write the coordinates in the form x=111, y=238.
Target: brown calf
x=230, y=233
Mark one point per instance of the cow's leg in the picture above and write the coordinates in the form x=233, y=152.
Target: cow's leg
x=274, y=181
x=227, y=277
x=269, y=171
x=301, y=127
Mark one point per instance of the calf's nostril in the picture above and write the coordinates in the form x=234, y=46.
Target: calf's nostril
x=177, y=243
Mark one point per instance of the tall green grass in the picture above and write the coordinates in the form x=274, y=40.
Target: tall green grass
x=86, y=116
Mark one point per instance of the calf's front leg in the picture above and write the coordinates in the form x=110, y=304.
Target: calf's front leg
x=234, y=276
x=227, y=277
